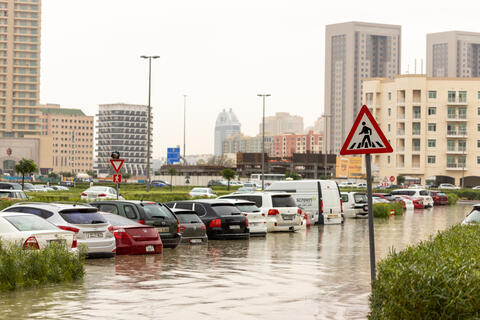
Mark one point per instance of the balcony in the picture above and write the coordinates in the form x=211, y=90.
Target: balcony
x=401, y=117
x=457, y=102
x=456, y=134
x=400, y=132
x=416, y=132
x=416, y=148
x=456, y=166
x=459, y=150
x=400, y=149
x=457, y=118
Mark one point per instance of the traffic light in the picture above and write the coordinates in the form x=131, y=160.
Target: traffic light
x=115, y=155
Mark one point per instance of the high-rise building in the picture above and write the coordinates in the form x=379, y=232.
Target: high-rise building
x=453, y=54
x=123, y=128
x=355, y=51
x=241, y=143
x=19, y=68
x=433, y=125
x=71, y=133
x=227, y=124
x=281, y=123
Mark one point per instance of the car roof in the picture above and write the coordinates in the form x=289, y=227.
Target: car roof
x=10, y=190
x=58, y=206
x=205, y=201
x=259, y=193
x=125, y=201
x=239, y=201
x=10, y=214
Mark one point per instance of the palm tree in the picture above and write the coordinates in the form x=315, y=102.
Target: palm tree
x=25, y=167
x=228, y=174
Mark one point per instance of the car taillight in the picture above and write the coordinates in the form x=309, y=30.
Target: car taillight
x=246, y=222
x=67, y=228
x=273, y=212
x=102, y=194
x=31, y=243
x=110, y=228
x=321, y=206
x=121, y=234
x=178, y=226
x=245, y=214
x=217, y=223
x=74, y=241
x=203, y=227
x=141, y=221
x=84, y=194
x=182, y=227
x=299, y=211
x=341, y=205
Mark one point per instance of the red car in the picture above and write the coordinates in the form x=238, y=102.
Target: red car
x=132, y=237
x=417, y=202
x=439, y=198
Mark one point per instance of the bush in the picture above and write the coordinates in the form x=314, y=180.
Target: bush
x=436, y=279
x=452, y=198
x=30, y=268
x=382, y=210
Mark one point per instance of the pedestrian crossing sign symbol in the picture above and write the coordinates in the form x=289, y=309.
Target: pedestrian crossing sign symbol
x=365, y=136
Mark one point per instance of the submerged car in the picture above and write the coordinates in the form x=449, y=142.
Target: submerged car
x=439, y=198
x=474, y=216
x=257, y=221
x=192, y=228
x=355, y=204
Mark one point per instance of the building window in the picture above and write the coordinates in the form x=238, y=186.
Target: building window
x=432, y=94
x=388, y=159
x=431, y=159
x=478, y=160
x=432, y=143
x=389, y=127
x=478, y=95
x=432, y=127
x=478, y=127
x=390, y=111
x=390, y=96
x=462, y=96
x=451, y=96
x=433, y=111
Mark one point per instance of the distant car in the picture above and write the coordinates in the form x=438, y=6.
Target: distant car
x=32, y=232
x=347, y=184
x=355, y=204
x=245, y=190
x=146, y=213
x=100, y=193
x=476, y=188
x=132, y=237
x=28, y=187
x=361, y=185
x=90, y=226
x=159, y=183
x=235, y=183
x=221, y=218
x=59, y=188
x=419, y=193
x=202, y=192
x=67, y=183
x=10, y=186
x=474, y=216
x=192, y=228
x=448, y=186
x=252, y=185
x=12, y=194
x=439, y=198
x=212, y=183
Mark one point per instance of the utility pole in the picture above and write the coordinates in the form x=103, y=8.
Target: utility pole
x=149, y=115
x=263, y=139
x=184, y=126
x=326, y=116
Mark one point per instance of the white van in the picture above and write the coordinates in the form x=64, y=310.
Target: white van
x=315, y=196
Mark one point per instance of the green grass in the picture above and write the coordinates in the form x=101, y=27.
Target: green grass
x=383, y=210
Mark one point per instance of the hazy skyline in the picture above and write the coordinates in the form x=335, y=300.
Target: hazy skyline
x=219, y=53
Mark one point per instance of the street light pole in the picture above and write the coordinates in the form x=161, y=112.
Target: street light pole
x=326, y=141
x=149, y=115
x=263, y=139
x=184, y=126
x=464, y=161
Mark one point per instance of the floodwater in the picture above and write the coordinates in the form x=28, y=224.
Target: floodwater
x=320, y=273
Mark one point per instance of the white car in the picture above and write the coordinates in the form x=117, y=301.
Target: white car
x=476, y=188
x=361, y=185
x=280, y=209
x=448, y=186
x=11, y=194
x=355, y=204
x=202, y=192
x=474, y=216
x=419, y=193
x=32, y=232
x=59, y=188
x=90, y=227
x=257, y=222
x=347, y=184
x=100, y=193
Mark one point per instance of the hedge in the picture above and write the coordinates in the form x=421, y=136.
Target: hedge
x=383, y=210
x=452, y=198
x=30, y=268
x=435, y=279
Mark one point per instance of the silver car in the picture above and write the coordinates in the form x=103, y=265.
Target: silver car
x=90, y=227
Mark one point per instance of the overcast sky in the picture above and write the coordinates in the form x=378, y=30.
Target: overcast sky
x=220, y=53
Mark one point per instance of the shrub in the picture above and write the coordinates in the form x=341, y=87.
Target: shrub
x=30, y=268
x=452, y=198
x=436, y=279
x=382, y=210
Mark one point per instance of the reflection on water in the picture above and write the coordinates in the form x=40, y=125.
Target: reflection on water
x=320, y=273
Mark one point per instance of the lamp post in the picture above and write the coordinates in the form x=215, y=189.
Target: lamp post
x=464, y=160
x=149, y=115
x=263, y=139
x=184, y=126
x=326, y=116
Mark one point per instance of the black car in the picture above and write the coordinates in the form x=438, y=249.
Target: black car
x=212, y=183
x=10, y=186
x=222, y=219
x=148, y=213
x=193, y=230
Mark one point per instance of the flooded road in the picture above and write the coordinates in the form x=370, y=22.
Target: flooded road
x=320, y=273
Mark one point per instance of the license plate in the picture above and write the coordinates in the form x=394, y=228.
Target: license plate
x=90, y=235
x=234, y=227
x=333, y=215
x=163, y=229
x=149, y=248
x=287, y=217
x=195, y=240
x=56, y=241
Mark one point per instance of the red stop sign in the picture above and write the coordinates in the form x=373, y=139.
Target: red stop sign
x=392, y=178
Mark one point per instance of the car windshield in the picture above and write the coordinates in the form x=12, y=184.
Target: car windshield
x=441, y=194
x=225, y=209
x=283, y=201
x=156, y=211
x=403, y=192
x=473, y=217
x=82, y=216
x=360, y=198
x=188, y=218
x=6, y=194
x=97, y=189
x=247, y=207
x=30, y=223
x=119, y=221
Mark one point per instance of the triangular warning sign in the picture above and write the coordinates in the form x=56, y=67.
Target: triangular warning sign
x=365, y=136
x=117, y=164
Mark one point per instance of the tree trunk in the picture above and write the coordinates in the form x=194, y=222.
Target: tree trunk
x=228, y=184
x=23, y=181
x=171, y=183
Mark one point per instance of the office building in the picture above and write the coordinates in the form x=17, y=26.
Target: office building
x=19, y=68
x=287, y=144
x=123, y=128
x=433, y=125
x=71, y=133
x=355, y=51
x=281, y=123
x=242, y=143
x=453, y=54
x=227, y=124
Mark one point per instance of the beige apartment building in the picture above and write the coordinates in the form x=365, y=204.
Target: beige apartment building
x=71, y=134
x=453, y=54
x=355, y=51
x=281, y=123
x=19, y=68
x=433, y=125
x=242, y=143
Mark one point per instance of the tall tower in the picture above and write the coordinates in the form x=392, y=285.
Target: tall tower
x=20, y=67
x=355, y=51
x=227, y=124
x=453, y=54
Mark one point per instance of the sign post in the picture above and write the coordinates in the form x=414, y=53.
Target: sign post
x=367, y=138
x=117, y=164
